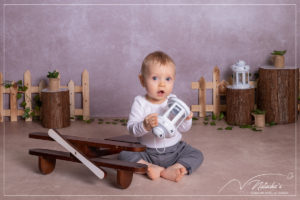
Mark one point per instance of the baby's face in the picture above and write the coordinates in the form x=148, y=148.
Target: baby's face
x=158, y=82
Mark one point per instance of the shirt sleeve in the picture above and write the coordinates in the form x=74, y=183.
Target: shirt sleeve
x=136, y=117
x=185, y=126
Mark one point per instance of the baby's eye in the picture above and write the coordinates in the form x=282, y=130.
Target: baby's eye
x=169, y=78
x=154, y=78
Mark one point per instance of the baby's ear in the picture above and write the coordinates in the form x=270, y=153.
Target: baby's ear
x=142, y=81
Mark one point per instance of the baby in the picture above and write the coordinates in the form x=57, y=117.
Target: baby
x=169, y=158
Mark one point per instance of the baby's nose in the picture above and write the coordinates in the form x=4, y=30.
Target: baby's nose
x=162, y=83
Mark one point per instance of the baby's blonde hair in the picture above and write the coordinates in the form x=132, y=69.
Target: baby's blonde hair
x=156, y=57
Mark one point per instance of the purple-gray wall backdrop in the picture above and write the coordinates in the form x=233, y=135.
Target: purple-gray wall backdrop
x=111, y=40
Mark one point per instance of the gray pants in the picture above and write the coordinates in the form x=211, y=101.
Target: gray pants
x=181, y=152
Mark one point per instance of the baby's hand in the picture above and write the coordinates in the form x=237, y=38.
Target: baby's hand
x=150, y=121
x=190, y=116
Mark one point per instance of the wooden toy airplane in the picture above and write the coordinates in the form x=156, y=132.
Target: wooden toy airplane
x=89, y=151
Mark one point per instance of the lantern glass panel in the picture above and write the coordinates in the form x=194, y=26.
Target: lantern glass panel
x=247, y=78
x=240, y=78
x=180, y=120
x=174, y=112
x=234, y=78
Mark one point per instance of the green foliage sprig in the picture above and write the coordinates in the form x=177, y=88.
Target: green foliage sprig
x=53, y=74
x=281, y=53
x=258, y=112
x=123, y=122
x=271, y=124
x=21, y=90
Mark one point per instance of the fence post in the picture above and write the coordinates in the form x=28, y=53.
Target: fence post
x=42, y=85
x=71, y=88
x=13, y=102
x=216, y=98
x=85, y=95
x=202, y=97
x=1, y=98
x=27, y=94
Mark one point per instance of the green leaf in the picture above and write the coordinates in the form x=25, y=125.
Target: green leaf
x=213, y=123
x=258, y=112
x=32, y=114
x=255, y=129
x=19, y=95
x=37, y=108
x=205, y=123
x=194, y=118
x=220, y=129
x=88, y=121
x=206, y=119
x=272, y=124
x=36, y=97
x=7, y=85
x=278, y=52
x=228, y=128
x=22, y=88
x=19, y=83
x=53, y=74
x=213, y=117
x=26, y=113
x=245, y=126
x=23, y=104
x=221, y=116
x=80, y=117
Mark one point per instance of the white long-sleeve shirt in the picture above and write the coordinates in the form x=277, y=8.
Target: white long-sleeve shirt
x=141, y=108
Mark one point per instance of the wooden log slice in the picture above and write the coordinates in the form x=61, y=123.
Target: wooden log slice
x=55, y=109
x=278, y=93
x=240, y=103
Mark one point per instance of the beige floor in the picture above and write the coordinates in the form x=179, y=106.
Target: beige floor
x=238, y=164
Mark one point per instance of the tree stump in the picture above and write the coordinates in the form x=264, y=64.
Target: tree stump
x=55, y=109
x=240, y=104
x=277, y=94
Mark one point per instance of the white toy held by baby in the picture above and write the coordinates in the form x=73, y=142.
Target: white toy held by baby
x=171, y=119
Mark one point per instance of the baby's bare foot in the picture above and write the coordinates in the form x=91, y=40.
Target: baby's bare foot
x=173, y=173
x=154, y=171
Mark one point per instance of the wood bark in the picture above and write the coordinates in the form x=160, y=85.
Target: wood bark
x=240, y=103
x=277, y=94
x=55, y=109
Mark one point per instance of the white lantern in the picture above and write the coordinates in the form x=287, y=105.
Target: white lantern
x=171, y=119
x=240, y=75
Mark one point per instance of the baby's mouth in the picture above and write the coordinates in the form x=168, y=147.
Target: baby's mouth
x=161, y=92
